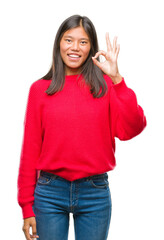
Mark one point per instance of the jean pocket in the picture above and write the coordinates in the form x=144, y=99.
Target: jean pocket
x=99, y=182
x=44, y=180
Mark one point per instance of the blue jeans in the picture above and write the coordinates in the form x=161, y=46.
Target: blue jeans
x=87, y=198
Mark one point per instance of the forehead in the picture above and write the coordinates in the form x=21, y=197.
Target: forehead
x=77, y=32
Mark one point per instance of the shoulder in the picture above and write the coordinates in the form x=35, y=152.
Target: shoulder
x=40, y=85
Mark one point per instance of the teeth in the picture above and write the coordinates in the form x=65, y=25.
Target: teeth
x=75, y=56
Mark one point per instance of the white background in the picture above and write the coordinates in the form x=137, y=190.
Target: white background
x=28, y=31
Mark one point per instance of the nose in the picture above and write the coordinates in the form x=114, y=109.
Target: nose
x=75, y=46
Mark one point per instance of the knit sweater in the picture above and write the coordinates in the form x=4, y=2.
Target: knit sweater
x=72, y=134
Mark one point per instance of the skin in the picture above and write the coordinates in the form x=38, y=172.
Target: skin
x=109, y=66
x=30, y=222
x=78, y=43
x=74, y=41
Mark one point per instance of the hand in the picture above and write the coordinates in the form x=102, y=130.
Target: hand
x=30, y=222
x=109, y=67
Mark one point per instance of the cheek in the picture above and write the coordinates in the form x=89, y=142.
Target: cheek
x=63, y=48
x=63, y=54
x=86, y=52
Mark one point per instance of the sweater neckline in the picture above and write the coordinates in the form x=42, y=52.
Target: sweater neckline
x=73, y=76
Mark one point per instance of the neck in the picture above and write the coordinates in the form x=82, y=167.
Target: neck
x=72, y=71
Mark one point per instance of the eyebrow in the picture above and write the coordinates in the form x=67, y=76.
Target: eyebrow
x=79, y=38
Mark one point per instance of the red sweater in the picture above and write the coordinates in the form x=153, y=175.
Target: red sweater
x=71, y=134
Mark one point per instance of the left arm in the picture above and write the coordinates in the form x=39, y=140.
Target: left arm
x=127, y=117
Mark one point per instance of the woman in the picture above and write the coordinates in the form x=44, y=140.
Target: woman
x=72, y=117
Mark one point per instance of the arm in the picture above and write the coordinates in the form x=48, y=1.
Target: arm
x=31, y=147
x=127, y=117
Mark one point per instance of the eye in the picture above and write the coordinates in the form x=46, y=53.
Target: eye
x=83, y=42
x=68, y=40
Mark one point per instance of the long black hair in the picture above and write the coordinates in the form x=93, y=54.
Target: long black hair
x=93, y=75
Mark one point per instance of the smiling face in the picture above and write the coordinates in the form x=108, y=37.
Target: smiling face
x=74, y=49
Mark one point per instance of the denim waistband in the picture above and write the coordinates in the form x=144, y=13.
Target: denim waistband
x=104, y=175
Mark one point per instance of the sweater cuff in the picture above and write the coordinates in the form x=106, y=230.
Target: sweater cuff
x=27, y=211
x=123, y=92
x=120, y=84
x=120, y=87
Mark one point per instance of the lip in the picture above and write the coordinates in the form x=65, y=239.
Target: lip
x=73, y=58
x=74, y=54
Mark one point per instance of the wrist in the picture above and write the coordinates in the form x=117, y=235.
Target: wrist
x=116, y=79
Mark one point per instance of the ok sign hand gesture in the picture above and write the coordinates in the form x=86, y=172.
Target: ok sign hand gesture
x=109, y=67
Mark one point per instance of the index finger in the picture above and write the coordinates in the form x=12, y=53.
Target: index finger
x=109, y=46
x=26, y=232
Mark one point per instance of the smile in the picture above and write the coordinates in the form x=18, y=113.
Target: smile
x=74, y=56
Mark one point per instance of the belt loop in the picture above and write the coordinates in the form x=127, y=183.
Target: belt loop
x=88, y=178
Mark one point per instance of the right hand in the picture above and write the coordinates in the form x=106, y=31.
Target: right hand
x=30, y=222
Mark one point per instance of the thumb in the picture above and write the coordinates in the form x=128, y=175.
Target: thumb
x=34, y=231
x=96, y=62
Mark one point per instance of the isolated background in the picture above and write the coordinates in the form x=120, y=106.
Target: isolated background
x=28, y=31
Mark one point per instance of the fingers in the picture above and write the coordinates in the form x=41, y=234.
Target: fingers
x=34, y=237
x=30, y=222
x=101, y=52
x=34, y=229
x=117, y=50
x=99, y=64
x=95, y=61
x=115, y=47
x=115, y=44
x=109, y=46
x=26, y=229
x=28, y=235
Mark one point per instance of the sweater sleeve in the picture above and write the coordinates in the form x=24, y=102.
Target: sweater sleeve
x=127, y=117
x=31, y=147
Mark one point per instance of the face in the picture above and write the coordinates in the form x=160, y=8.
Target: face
x=74, y=49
